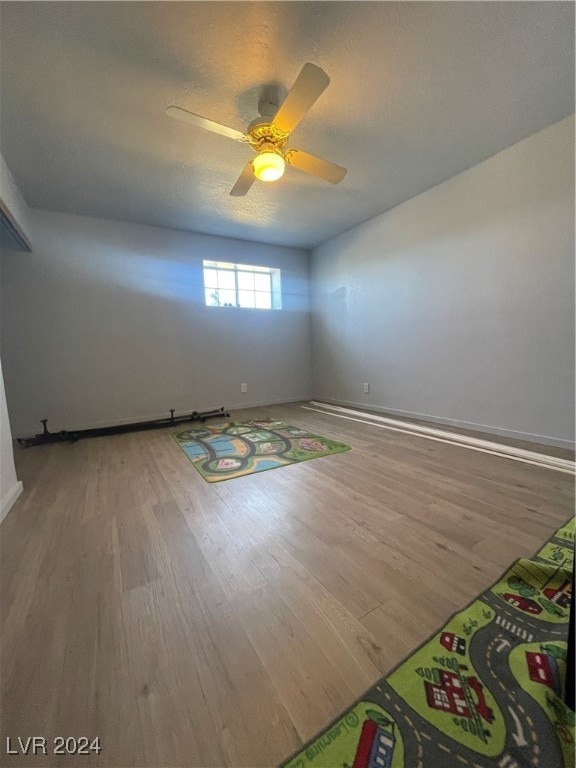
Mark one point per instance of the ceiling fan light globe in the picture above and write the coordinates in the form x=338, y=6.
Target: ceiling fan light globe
x=268, y=166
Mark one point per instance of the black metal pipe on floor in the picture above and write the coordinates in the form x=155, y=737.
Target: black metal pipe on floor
x=65, y=436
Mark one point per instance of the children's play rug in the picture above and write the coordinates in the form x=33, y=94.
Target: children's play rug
x=485, y=691
x=233, y=450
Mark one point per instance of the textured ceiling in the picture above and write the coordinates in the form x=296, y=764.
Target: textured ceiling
x=418, y=92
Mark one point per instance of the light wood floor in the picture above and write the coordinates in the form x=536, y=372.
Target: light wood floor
x=196, y=624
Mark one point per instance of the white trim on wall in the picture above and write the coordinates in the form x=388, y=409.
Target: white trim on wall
x=452, y=438
x=543, y=439
x=9, y=499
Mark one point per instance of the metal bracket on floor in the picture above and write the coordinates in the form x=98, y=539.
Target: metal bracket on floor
x=65, y=436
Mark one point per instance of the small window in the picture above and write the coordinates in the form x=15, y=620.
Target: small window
x=240, y=285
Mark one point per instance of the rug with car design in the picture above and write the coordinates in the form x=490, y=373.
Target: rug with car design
x=221, y=452
x=486, y=690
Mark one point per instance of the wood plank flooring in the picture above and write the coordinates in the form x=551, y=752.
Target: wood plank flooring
x=196, y=624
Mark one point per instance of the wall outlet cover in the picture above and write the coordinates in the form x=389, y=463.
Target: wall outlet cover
x=243, y=387
x=366, y=389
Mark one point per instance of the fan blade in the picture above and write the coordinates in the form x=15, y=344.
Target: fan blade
x=245, y=181
x=202, y=122
x=315, y=165
x=309, y=85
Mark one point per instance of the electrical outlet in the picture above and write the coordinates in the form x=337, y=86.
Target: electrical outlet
x=366, y=389
x=243, y=387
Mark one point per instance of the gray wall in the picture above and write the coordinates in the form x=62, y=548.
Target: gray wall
x=106, y=321
x=459, y=304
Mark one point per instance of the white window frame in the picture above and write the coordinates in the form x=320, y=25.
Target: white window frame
x=274, y=292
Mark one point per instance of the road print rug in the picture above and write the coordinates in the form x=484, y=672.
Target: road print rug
x=233, y=450
x=486, y=690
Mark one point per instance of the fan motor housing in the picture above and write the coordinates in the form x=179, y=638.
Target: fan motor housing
x=260, y=122
x=261, y=131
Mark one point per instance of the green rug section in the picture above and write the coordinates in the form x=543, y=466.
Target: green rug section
x=486, y=690
x=234, y=450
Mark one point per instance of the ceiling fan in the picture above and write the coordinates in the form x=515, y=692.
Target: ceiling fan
x=269, y=133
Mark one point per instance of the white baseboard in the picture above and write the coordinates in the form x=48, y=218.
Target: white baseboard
x=459, y=439
x=9, y=498
x=532, y=438
x=543, y=439
x=262, y=403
